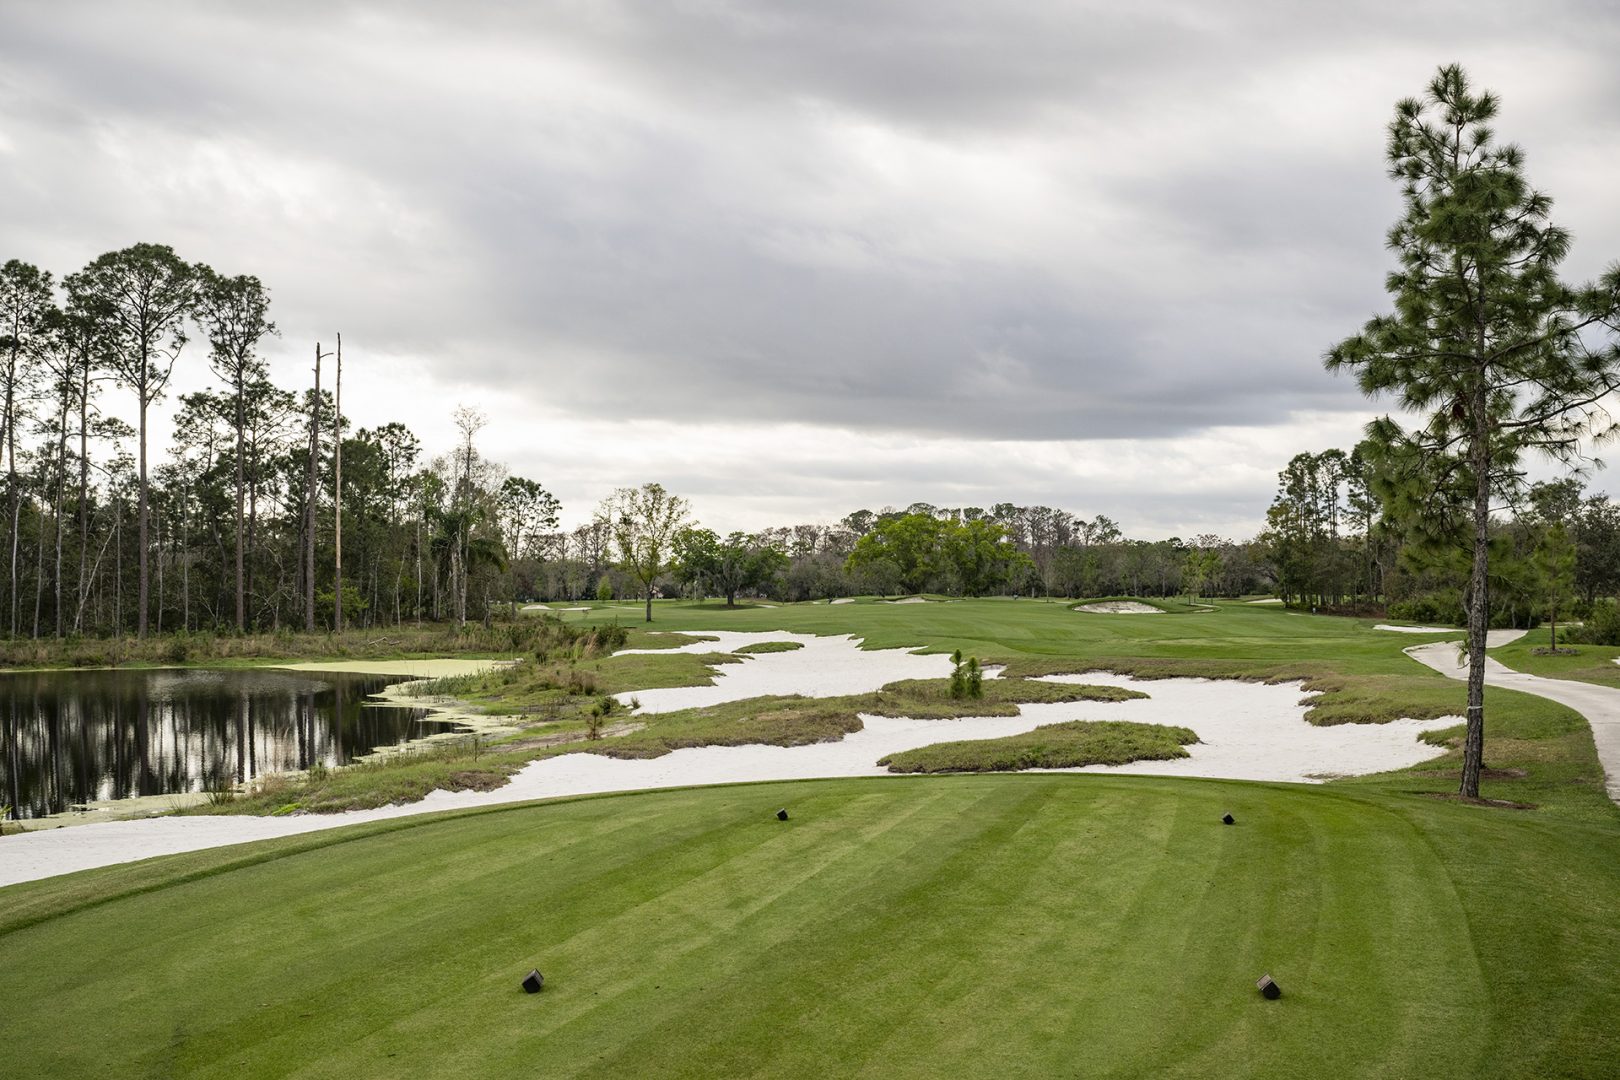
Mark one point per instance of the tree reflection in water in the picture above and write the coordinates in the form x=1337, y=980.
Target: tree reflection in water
x=71, y=737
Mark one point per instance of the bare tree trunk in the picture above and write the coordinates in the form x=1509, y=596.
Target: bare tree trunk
x=61, y=496
x=252, y=525
x=159, y=530
x=16, y=500
x=84, y=494
x=309, y=503
x=39, y=569
x=241, y=467
x=337, y=495
x=118, y=569
x=185, y=559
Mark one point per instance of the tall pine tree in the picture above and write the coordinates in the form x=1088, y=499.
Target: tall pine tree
x=1486, y=344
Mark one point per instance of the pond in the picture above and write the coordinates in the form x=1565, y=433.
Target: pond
x=72, y=737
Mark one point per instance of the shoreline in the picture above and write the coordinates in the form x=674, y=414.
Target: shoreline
x=440, y=710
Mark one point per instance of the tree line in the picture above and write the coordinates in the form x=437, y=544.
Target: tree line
x=269, y=510
x=1005, y=549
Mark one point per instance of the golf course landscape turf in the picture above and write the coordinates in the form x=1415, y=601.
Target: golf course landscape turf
x=1030, y=924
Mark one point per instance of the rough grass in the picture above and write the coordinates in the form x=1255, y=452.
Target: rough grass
x=501, y=639
x=793, y=720
x=969, y=926
x=1052, y=746
x=930, y=699
x=647, y=639
x=774, y=721
x=450, y=765
x=768, y=647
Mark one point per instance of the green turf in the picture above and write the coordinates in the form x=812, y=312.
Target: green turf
x=1588, y=663
x=769, y=647
x=999, y=926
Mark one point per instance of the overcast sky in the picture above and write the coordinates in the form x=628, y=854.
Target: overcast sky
x=792, y=259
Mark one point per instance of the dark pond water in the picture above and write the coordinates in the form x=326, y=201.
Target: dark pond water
x=70, y=737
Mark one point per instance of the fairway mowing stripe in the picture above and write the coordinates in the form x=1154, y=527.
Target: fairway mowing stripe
x=824, y=923
x=1501, y=1039
x=1264, y=930
x=1024, y=927
x=669, y=909
x=1156, y=930
x=830, y=929
x=956, y=887
x=738, y=954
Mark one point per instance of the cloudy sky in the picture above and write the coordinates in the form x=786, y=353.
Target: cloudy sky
x=792, y=259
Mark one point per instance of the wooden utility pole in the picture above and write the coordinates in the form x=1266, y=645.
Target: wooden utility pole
x=309, y=500
x=337, y=497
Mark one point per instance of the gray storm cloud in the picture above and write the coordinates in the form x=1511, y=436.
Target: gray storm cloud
x=1023, y=221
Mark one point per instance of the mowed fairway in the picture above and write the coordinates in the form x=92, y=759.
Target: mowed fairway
x=1025, y=925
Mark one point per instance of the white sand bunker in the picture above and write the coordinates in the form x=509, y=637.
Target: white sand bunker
x=844, y=600
x=1419, y=629
x=1248, y=731
x=1119, y=607
x=823, y=667
x=1267, y=600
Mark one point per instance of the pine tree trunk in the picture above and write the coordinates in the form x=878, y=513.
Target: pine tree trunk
x=1478, y=601
x=61, y=496
x=84, y=494
x=141, y=590
x=16, y=504
x=241, y=539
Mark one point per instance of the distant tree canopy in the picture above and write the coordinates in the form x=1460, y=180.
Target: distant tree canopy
x=739, y=562
x=918, y=549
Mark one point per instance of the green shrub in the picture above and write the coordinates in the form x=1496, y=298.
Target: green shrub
x=1602, y=626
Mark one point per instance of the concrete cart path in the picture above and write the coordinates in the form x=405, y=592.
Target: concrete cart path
x=1599, y=704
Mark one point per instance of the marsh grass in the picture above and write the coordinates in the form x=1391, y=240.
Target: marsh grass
x=759, y=647
x=1052, y=746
